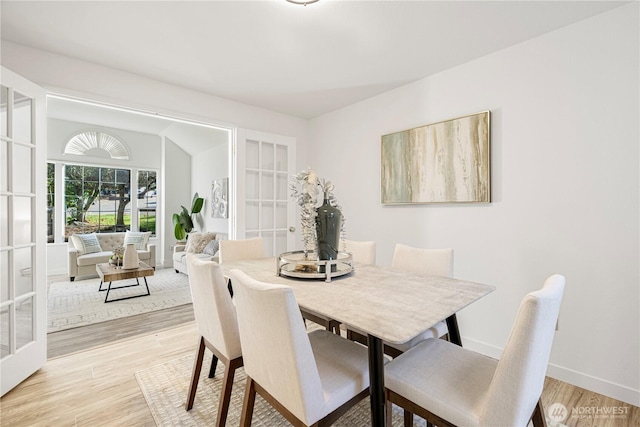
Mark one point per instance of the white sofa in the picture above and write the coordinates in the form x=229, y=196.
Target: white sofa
x=85, y=264
x=181, y=249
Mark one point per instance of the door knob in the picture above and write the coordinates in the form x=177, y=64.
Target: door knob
x=292, y=229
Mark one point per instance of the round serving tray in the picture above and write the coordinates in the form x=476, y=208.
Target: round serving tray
x=294, y=264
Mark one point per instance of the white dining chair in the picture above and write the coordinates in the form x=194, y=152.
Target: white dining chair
x=432, y=262
x=452, y=386
x=238, y=250
x=217, y=325
x=311, y=379
x=361, y=251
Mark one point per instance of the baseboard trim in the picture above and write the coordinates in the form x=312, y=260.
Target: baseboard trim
x=579, y=379
x=58, y=272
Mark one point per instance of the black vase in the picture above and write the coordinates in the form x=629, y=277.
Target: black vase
x=328, y=224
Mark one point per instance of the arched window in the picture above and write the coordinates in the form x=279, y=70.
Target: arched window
x=96, y=143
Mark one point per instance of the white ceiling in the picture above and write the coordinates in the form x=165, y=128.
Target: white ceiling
x=299, y=60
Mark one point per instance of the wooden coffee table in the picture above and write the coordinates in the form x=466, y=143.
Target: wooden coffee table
x=109, y=273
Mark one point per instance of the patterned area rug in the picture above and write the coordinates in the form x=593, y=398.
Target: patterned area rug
x=165, y=389
x=79, y=303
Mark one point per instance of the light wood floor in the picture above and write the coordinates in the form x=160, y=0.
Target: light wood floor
x=96, y=386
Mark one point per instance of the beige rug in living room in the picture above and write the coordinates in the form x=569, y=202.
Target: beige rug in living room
x=79, y=303
x=165, y=389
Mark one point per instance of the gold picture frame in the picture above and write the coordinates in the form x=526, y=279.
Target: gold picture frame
x=443, y=162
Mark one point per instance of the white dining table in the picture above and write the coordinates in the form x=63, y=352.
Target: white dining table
x=386, y=304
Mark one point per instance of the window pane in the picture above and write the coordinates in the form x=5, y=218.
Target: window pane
x=282, y=188
x=4, y=331
x=267, y=215
x=281, y=215
x=281, y=158
x=4, y=101
x=51, y=173
x=4, y=276
x=267, y=186
x=22, y=220
x=4, y=221
x=253, y=154
x=24, y=322
x=147, y=200
x=22, y=160
x=22, y=110
x=147, y=220
x=22, y=274
x=97, y=199
x=252, y=215
x=252, y=185
x=268, y=156
x=4, y=165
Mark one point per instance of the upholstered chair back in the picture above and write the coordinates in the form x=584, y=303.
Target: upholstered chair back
x=433, y=262
x=238, y=250
x=276, y=349
x=214, y=311
x=519, y=377
x=364, y=252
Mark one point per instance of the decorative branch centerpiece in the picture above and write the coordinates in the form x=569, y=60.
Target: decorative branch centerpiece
x=321, y=225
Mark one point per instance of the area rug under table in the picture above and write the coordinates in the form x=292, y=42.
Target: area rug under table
x=79, y=303
x=165, y=387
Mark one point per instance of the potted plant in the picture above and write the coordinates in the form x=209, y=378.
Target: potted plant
x=183, y=221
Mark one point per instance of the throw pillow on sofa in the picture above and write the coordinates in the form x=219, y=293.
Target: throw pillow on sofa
x=138, y=238
x=211, y=248
x=86, y=243
x=197, y=242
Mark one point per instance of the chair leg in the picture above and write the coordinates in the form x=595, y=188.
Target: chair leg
x=212, y=369
x=538, y=415
x=389, y=413
x=195, y=374
x=249, y=401
x=336, y=327
x=225, y=393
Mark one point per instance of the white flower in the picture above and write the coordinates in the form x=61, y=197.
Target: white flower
x=304, y=189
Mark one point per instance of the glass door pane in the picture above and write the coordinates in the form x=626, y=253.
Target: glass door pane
x=23, y=289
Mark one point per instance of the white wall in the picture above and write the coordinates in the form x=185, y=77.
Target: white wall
x=206, y=167
x=565, y=164
x=143, y=148
x=176, y=181
x=68, y=76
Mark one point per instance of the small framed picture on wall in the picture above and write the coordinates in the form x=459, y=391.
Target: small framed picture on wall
x=220, y=198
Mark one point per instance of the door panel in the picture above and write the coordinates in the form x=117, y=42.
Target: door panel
x=264, y=164
x=23, y=289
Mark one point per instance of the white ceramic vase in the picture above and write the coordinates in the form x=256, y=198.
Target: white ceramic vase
x=130, y=258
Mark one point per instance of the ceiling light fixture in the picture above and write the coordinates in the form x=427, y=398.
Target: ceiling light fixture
x=302, y=2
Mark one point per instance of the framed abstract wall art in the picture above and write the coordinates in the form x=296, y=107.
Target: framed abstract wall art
x=444, y=162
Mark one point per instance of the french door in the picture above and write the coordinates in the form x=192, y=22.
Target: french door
x=23, y=234
x=264, y=164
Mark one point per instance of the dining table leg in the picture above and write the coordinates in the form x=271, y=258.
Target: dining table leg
x=454, y=332
x=376, y=381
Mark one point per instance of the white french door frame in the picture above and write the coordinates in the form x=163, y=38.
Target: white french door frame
x=23, y=329
x=266, y=215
